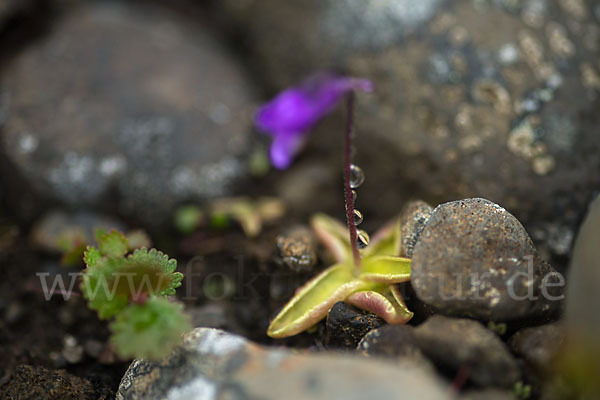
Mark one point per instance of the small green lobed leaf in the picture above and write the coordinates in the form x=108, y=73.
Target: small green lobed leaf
x=385, y=269
x=312, y=301
x=334, y=236
x=152, y=271
x=155, y=258
x=98, y=233
x=91, y=256
x=113, y=244
x=110, y=283
x=99, y=288
x=74, y=256
x=150, y=330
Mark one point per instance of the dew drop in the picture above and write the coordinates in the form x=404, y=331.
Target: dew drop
x=357, y=176
x=354, y=195
x=358, y=217
x=362, y=239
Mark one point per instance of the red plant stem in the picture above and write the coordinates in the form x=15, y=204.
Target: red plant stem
x=461, y=377
x=347, y=188
x=141, y=299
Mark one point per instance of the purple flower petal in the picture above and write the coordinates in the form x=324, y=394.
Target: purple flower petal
x=291, y=114
x=284, y=148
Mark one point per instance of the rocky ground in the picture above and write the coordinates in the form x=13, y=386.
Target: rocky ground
x=482, y=135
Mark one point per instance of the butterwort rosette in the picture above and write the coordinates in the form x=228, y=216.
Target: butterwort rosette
x=289, y=117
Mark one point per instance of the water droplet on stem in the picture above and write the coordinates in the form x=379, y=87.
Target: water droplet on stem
x=358, y=217
x=357, y=176
x=362, y=239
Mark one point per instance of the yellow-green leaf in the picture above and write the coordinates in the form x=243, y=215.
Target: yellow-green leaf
x=386, y=241
x=384, y=301
x=313, y=300
x=334, y=236
x=385, y=269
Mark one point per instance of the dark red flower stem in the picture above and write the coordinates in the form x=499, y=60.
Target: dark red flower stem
x=462, y=375
x=347, y=188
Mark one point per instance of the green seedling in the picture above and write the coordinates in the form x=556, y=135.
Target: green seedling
x=132, y=287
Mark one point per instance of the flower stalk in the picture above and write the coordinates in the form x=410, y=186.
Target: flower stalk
x=349, y=200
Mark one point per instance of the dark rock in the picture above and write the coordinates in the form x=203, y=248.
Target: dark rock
x=56, y=225
x=539, y=346
x=11, y=8
x=125, y=106
x=507, y=113
x=487, y=394
x=413, y=218
x=297, y=249
x=346, y=325
x=29, y=382
x=475, y=259
x=213, y=364
x=420, y=309
x=391, y=341
x=466, y=343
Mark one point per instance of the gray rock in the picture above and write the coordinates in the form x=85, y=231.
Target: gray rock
x=475, y=259
x=413, y=218
x=125, y=106
x=584, y=278
x=467, y=343
x=346, y=325
x=579, y=362
x=539, y=346
x=460, y=110
x=220, y=315
x=213, y=364
x=393, y=342
x=56, y=225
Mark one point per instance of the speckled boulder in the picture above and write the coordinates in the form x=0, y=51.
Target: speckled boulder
x=413, y=218
x=213, y=364
x=460, y=109
x=475, y=259
x=124, y=106
x=392, y=342
x=466, y=343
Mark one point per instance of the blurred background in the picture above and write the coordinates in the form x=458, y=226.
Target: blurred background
x=122, y=111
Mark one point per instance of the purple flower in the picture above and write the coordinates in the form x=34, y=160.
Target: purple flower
x=293, y=112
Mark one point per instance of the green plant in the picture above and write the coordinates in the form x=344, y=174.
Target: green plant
x=73, y=243
x=365, y=278
x=249, y=214
x=522, y=391
x=370, y=285
x=132, y=288
x=498, y=327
